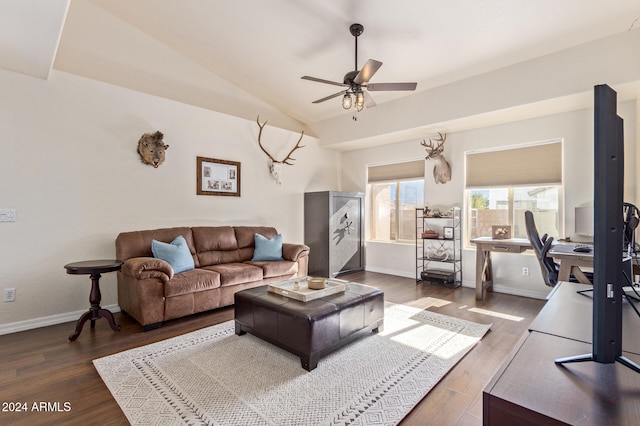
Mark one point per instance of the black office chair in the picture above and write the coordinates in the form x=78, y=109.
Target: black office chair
x=541, y=246
x=631, y=218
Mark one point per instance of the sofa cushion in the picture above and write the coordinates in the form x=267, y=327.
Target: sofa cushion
x=192, y=281
x=246, y=234
x=267, y=248
x=138, y=243
x=176, y=254
x=215, y=245
x=276, y=269
x=235, y=273
x=246, y=239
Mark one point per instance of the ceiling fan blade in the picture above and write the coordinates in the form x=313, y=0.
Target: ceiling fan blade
x=368, y=100
x=320, y=80
x=326, y=98
x=391, y=86
x=367, y=71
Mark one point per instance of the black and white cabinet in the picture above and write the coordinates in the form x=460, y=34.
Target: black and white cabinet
x=334, y=230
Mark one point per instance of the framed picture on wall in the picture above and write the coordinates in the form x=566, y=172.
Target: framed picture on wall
x=218, y=177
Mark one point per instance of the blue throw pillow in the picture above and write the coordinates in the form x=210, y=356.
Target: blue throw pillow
x=176, y=254
x=267, y=249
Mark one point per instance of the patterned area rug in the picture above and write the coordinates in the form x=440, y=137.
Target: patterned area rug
x=214, y=377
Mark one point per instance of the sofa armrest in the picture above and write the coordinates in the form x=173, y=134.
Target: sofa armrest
x=294, y=252
x=147, y=267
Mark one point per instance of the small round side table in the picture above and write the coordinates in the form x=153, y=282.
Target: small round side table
x=94, y=268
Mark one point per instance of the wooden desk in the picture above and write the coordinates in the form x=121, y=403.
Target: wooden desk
x=559, y=317
x=571, y=261
x=484, y=247
x=530, y=389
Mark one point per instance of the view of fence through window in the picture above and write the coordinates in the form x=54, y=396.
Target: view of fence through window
x=506, y=206
x=393, y=209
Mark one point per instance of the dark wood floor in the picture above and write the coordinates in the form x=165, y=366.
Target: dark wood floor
x=43, y=366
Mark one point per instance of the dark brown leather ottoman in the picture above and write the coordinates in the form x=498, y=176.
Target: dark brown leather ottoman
x=310, y=329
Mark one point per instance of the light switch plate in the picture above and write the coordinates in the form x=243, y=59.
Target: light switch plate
x=7, y=215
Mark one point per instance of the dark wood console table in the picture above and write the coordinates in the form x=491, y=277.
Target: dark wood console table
x=530, y=389
x=94, y=268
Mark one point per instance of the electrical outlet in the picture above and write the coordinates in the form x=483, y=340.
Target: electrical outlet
x=9, y=295
x=525, y=271
x=7, y=215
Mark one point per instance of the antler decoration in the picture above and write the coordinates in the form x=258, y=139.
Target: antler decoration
x=276, y=165
x=441, y=169
x=434, y=150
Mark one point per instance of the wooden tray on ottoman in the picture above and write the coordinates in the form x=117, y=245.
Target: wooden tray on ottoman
x=303, y=292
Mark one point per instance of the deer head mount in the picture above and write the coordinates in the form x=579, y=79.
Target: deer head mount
x=152, y=149
x=441, y=169
x=275, y=166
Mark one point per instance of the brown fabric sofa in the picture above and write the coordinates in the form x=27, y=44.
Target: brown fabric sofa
x=150, y=292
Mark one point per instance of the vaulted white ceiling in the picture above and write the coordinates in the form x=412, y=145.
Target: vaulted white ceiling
x=246, y=57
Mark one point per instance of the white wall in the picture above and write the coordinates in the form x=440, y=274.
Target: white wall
x=70, y=169
x=574, y=128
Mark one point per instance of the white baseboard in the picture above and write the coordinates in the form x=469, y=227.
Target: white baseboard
x=404, y=274
x=521, y=292
x=73, y=316
x=471, y=284
x=512, y=291
x=46, y=321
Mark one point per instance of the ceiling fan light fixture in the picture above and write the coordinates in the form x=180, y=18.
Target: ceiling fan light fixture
x=347, y=100
x=359, y=100
x=356, y=80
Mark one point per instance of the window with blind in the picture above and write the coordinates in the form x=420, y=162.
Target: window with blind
x=501, y=185
x=395, y=191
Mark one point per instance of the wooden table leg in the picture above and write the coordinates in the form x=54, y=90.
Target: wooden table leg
x=484, y=278
x=565, y=271
x=488, y=280
x=95, y=311
x=580, y=276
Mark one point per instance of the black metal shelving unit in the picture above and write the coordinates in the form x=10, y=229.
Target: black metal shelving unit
x=439, y=259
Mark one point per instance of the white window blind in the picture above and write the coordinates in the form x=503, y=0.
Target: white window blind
x=530, y=165
x=397, y=171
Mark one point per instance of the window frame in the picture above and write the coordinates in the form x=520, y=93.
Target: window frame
x=526, y=151
x=370, y=208
x=511, y=209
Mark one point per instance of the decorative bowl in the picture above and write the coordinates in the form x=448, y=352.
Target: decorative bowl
x=316, y=283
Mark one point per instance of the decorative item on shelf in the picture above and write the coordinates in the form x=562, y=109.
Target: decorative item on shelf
x=439, y=254
x=316, y=283
x=275, y=166
x=447, y=232
x=430, y=234
x=426, y=212
x=501, y=232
